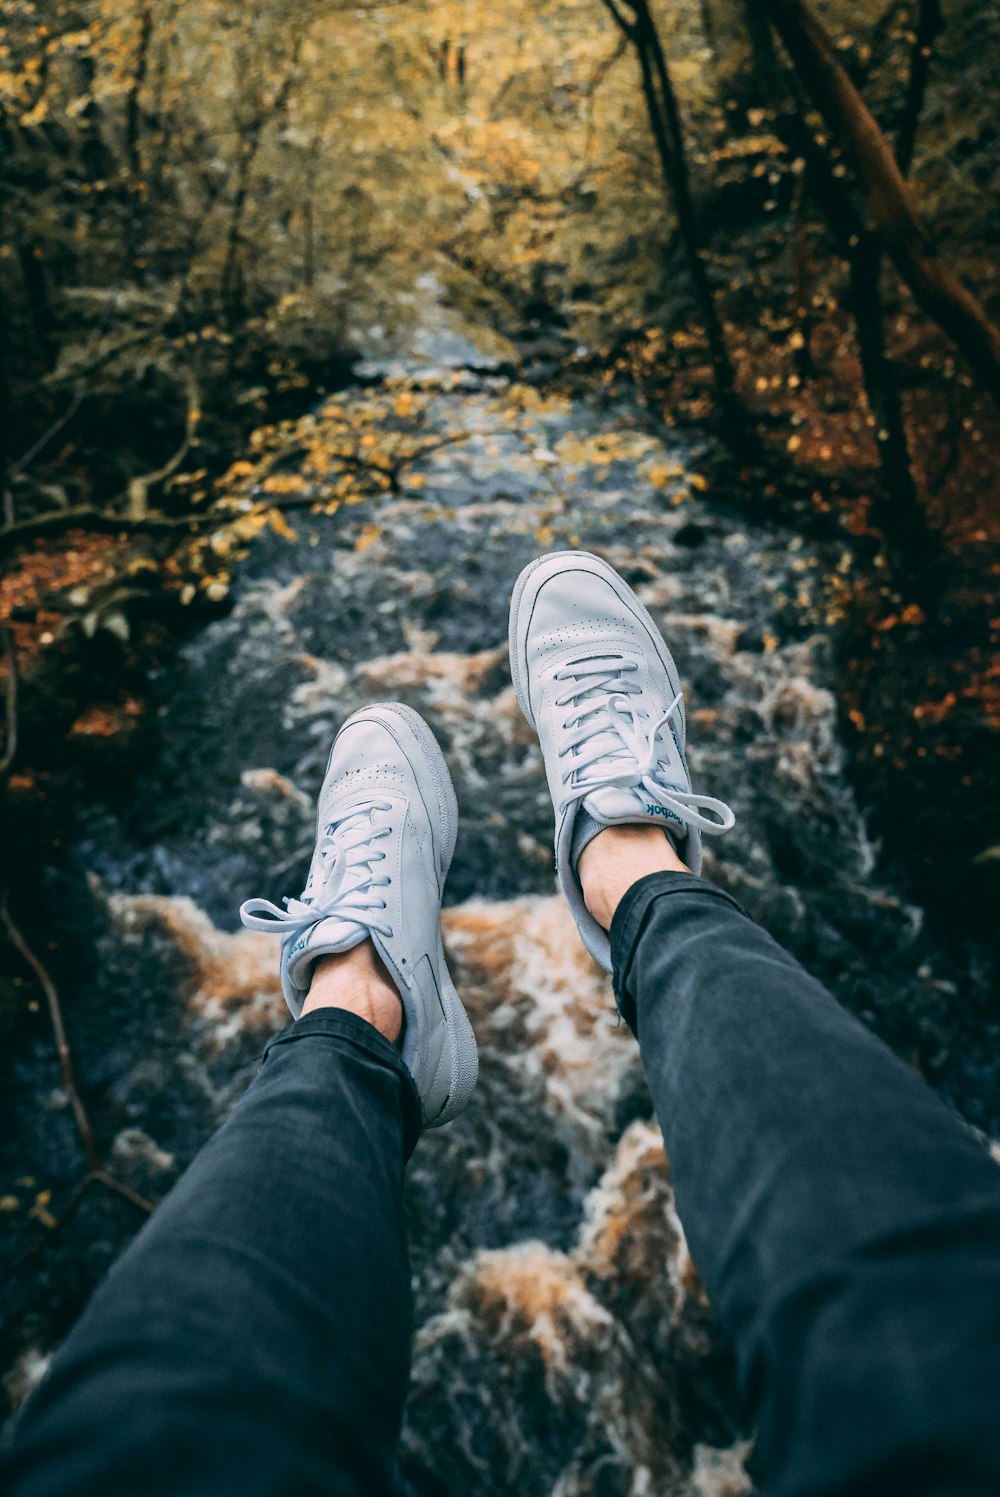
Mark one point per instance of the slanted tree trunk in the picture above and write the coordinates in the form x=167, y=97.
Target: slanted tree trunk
x=137, y=189
x=132, y=105
x=231, y=282
x=6, y=413
x=39, y=302
x=930, y=23
x=668, y=135
x=936, y=287
x=804, y=364
x=865, y=261
x=899, y=515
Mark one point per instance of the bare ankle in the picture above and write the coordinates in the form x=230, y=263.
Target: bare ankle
x=357, y=982
x=616, y=859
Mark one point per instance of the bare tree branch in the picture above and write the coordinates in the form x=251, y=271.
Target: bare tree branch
x=66, y=1215
x=620, y=19
x=249, y=147
x=902, y=520
x=104, y=522
x=138, y=489
x=79, y=395
x=97, y=1173
x=893, y=217
x=35, y=450
x=59, y=1032
x=930, y=24
x=668, y=134
x=10, y=744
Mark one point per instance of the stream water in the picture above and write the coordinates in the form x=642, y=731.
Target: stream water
x=564, y=1344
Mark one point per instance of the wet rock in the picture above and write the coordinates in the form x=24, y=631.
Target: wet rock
x=594, y=1340
x=140, y=1162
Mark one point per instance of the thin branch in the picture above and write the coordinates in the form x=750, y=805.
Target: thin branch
x=249, y=150
x=620, y=19
x=668, y=135
x=119, y=1188
x=79, y=395
x=16, y=469
x=59, y=1032
x=54, y=522
x=138, y=489
x=132, y=119
x=605, y=66
x=902, y=520
x=134, y=340
x=97, y=1173
x=79, y=1191
x=10, y=745
x=501, y=94
x=65, y=1216
x=930, y=24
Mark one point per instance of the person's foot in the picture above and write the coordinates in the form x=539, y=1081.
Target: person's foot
x=386, y=832
x=597, y=683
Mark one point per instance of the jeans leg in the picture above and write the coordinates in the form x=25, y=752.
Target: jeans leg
x=846, y=1223
x=254, y=1339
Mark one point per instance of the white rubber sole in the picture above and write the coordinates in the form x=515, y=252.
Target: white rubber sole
x=522, y=603
x=424, y=756
x=464, y=1053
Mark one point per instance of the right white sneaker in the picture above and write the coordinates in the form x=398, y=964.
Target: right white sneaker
x=597, y=683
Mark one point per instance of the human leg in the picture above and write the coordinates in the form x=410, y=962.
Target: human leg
x=847, y=1225
x=255, y=1337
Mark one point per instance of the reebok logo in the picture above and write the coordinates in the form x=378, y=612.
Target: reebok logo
x=652, y=810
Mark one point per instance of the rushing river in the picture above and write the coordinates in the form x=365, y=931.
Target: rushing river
x=564, y=1344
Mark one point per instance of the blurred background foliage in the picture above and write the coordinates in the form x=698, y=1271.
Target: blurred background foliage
x=209, y=209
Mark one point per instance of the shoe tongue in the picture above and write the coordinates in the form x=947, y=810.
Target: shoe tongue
x=616, y=802
x=325, y=938
x=613, y=803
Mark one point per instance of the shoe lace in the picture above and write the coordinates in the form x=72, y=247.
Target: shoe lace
x=630, y=755
x=347, y=880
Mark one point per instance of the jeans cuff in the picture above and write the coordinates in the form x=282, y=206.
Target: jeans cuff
x=340, y=1024
x=632, y=915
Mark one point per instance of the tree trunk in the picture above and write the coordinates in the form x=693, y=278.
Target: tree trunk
x=668, y=135
x=929, y=25
x=902, y=519
x=136, y=187
x=36, y=294
x=934, y=284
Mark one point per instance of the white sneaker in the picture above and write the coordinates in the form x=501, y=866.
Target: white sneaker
x=597, y=683
x=386, y=833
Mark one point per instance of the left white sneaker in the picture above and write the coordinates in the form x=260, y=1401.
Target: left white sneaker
x=599, y=686
x=386, y=831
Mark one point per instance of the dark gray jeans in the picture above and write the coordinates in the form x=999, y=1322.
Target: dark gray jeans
x=255, y=1338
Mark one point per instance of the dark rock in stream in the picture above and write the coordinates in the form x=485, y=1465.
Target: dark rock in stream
x=564, y=1342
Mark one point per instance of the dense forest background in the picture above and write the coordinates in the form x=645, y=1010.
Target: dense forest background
x=766, y=226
